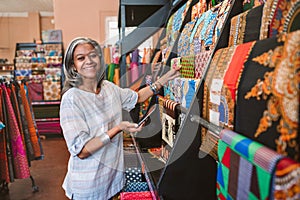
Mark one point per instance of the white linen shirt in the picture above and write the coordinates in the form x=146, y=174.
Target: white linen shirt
x=83, y=116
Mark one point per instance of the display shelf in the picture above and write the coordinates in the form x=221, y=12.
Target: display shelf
x=185, y=173
x=45, y=103
x=41, y=66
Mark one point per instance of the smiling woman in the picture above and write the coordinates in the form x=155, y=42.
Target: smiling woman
x=91, y=120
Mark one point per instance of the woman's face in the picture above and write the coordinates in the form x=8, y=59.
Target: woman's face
x=86, y=61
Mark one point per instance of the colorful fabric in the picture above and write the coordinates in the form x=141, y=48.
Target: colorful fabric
x=20, y=164
x=201, y=60
x=187, y=69
x=52, y=73
x=36, y=91
x=111, y=71
x=215, y=107
x=183, y=47
x=245, y=27
x=176, y=88
x=51, y=90
x=170, y=121
x=287, y=180
x=135, y=196
x=30, y=122
x=136, y=187
x=107, y=55
x=22, y=73
x=267, y=83
x=4, y=168
x=133, y=174
x=245, y=168
x=29, y=148
x=285, y=18
x=189, y=88
x=168, y=92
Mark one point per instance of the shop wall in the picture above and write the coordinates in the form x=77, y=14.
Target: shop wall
x=83, y=18
x=18, y=28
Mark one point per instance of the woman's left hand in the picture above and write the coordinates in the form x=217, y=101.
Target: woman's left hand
x=170, y=75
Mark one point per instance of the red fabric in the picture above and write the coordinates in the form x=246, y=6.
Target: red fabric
x=4, y=171
x=21, y=167
x=36, y=91
x=226, y=158
x=236, y=66
x=136, y=196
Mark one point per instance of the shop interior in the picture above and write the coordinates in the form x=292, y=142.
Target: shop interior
x=226, y=128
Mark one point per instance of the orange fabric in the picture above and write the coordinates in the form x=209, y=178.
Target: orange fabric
x=236, y=66
x=31, y=127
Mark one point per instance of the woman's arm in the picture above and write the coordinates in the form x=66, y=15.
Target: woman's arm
x=146, y=92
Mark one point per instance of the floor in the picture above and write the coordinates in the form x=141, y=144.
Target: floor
x=48, y=174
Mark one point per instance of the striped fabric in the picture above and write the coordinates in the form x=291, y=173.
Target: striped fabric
x=245, y=168
x=170, y=121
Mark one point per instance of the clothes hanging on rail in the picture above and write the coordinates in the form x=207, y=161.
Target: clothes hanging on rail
x=19, y=141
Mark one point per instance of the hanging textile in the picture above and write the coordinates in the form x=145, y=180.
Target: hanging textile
x=245, y=168
x=4, y=168
x=31, y=126
x=20, y=163
x=170, y=121
x=24, y=124
x=214, y=105
x=201, y=60
x=245, y=26
x=279, y=16
x=269, y=84
x=6, y=140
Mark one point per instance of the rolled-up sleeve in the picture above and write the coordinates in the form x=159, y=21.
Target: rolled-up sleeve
x=128, y=98
x=74, y=126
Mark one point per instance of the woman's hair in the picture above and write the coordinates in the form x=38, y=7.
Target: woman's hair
x=72, y=78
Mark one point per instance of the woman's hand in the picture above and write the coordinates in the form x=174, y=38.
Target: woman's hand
x=170, y=75
x=129, y=127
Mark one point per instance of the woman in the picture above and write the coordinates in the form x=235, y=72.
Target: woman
x=91, y=120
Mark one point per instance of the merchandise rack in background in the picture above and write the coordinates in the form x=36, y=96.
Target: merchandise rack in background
x=41, y=65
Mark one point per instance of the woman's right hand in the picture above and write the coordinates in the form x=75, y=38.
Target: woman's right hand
x=129, y=127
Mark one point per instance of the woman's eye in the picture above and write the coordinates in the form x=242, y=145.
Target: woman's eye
x=93, y=55
x=81, y=58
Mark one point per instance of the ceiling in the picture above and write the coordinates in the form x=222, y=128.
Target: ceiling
x=11, y=6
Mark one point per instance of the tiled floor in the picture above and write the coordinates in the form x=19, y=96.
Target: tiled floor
x=48, y=174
